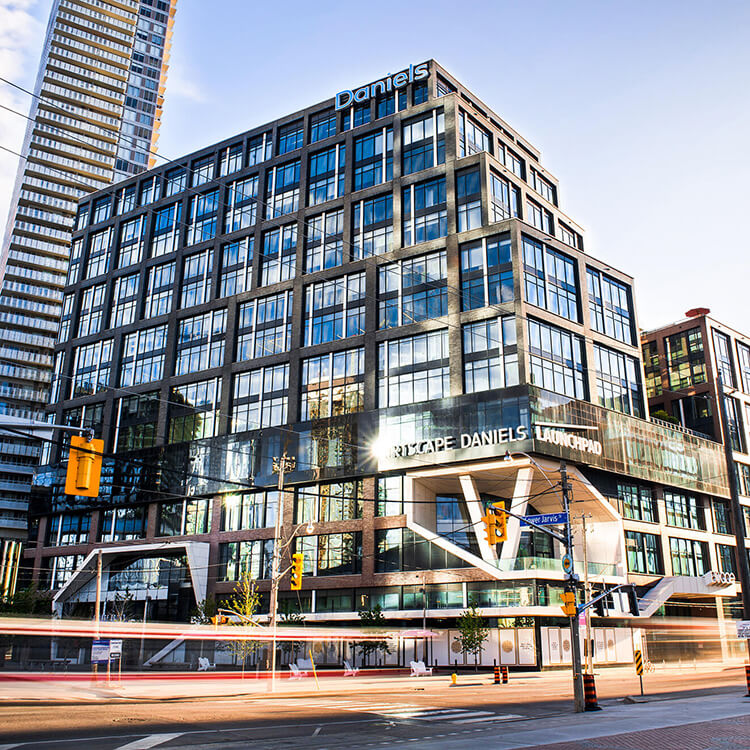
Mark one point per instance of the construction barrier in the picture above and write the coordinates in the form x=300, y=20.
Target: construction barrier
x=497, y=676
x=747, y=678
x=505, y=675
x=589, y=693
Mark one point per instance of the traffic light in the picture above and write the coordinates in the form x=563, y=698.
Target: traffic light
x=298, y=561
x=219, y=620
x=501, y=532
x=84, y=466
x=569, y=603
x=490, y=526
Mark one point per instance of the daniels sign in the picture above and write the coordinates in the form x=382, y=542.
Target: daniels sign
x=389, y=83
x=498, y=437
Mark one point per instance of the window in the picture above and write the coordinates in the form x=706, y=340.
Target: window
x=282, y=190
x=723, y=355
x=423, y=142
x=136, y=421
x=322, y=125
x=743, y=476
x=424, y=212
x=373, y=158
x=252, y=558
x=98, y=262
x=412, y=290
x=91, y=311
x=556, y=358
x=149, y=190
x=166, y=232
x=174, y=182
x=196, y=278
x=102, y=210
x=185, y=517
x=486, y=273
x=390, y=496
x=324, y=246
x=132, y=234
x=279, y=258
x=124, y=300
x=469, y=200
x=249, y=510
x=66, y=316
x=443, y=88
x=610, y=306
x=652, y=368
x=355, y=116
x=391, y=102
x=325, y=503
x=334, y=309
x=505, y=198
x=143, y=356
x=743, y=363
x=200, y=342
x=82, y=218
x=550, y=279
x=511, y=160
x=472, y=138
x=419, y=93
x=264, y=326
x=68, y=528
x=89, y=415
x=726, y=558
x=689, y=557
x=326, y=175
x=260, y=398
x=75, y=262
x=643, y=553
x=372, y=226
x=618, y=381
x=331, y=554
x=544, y=187
x=684, y=510
x=490, y=354
x=194, y=411
x=333, y=384
x=242, y=203
x=685, y=359
x=569, y=237
x=91, y=365
x=413, y=369
x=202, y=218
x=230, y=159
x=637, y=502
x=159, y=290
x=202, y=171
x=124, y=201
x=60, y=570
x=722, y=517
x=259, y=149
x=539, y=217
x=291, y=137
x=734, y=419
x=123, y=524
x=236, y=272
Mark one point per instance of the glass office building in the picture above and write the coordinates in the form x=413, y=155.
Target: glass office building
x=94, y=119
x=387, y=291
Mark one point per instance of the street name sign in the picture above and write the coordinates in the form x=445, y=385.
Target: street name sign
x=743, y=629
x=545, y=519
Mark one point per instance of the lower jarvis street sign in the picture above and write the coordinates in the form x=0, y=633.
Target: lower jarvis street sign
x=545, y=519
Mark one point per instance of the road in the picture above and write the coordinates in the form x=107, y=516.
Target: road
x=363, y=713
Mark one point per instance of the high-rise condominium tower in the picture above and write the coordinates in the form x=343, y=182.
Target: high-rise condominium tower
x=94, y=119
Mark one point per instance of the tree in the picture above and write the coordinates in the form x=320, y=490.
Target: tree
x=373, y=620
x=27, y=601
x=204, y=612
x=244, y=602
x=472, y=632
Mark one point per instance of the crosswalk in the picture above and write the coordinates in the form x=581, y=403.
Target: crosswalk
x=391, y=710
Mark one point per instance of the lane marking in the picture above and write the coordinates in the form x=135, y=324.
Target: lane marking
x=316, y=732
x=10, y=747
x=501, y=717
x=151, y=741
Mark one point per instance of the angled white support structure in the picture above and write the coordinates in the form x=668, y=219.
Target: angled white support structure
x=684, y=585
x=518, y=504
x=475, y=508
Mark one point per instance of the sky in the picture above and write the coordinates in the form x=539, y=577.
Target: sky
x=640, y=109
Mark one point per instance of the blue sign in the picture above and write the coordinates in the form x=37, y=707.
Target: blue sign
x=100, y=651
x=546, y=519
x=384, y=86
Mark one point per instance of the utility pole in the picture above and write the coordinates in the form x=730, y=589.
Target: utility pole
x=743, y=568
x=97, y=615
x=280, y=467
x=587, y=590
x=572, y=581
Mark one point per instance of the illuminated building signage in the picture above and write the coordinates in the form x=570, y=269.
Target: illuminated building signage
x=567, y=440
x=389, y=83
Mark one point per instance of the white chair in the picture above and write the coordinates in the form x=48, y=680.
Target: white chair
x=304, y=664
x=349, y=671
x=204, y=664
x=418, y=669
x=296, y=672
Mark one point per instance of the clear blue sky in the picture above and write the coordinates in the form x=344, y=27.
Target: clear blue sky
x=641, y=109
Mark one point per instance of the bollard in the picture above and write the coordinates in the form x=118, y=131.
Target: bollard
x=497, y=675
x=589, y=692
x=747, y=678
x=505, y=675
x=454, y=677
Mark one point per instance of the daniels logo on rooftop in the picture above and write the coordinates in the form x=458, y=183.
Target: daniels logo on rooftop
x=389, y=83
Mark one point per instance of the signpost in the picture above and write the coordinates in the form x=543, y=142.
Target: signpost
x=546, y=519
x=100, y=651
x=639, y=666
x=115, y=652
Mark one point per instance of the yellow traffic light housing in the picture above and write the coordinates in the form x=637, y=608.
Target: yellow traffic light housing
x=490, y=526
x=84, y=466
x=501, y=526
x=569, y=603
x=298, y=562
